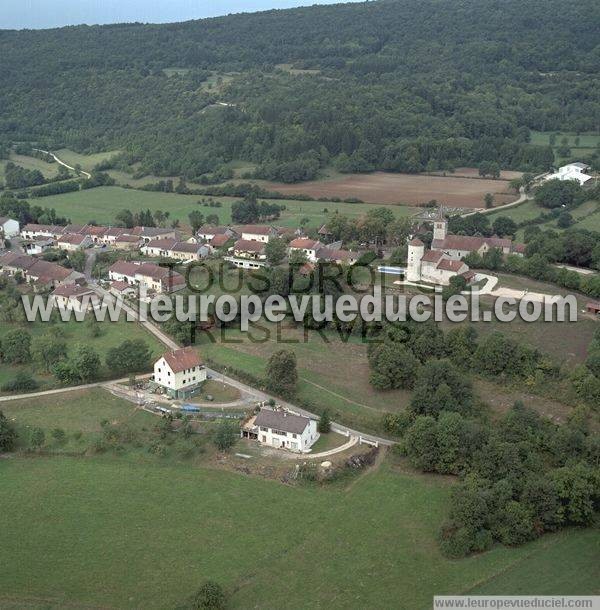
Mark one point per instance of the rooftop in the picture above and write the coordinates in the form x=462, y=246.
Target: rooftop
x=281, y=420
x=182, y=359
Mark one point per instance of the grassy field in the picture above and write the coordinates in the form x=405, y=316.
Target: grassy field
x=80, y=410
x=332, y=373
x=131, y=533
x=74, y=333
x=586, y=145
x=102, y=204
x=87, y=162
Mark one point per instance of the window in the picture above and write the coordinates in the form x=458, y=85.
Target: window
x=293, y=436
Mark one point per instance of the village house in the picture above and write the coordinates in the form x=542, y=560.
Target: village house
x=151, y=233
x=75, y=297
x=122, y=289
x=172, y=248
x=218, y=241
x=208, y=232
x=573, y=171
x=9, y=227
x=38, y=245
x=309, y=247
x=316, y=251
x=336, y=255
x=282, y=430
x=42, y=274
x=158, y=247
x=180, y=373
x=31, y=231
x=126, y=242
x=248, y=254
x=151, y=277
x=73, y=241
x=258, y=233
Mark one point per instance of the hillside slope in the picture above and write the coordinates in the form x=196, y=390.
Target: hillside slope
x=400, y=85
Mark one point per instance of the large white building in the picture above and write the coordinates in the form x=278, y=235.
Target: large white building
x=281, y=429
x=572, y=171
x=180, y=373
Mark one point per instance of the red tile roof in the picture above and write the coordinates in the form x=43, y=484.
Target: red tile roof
x=305, y=243
x=447, y=264
x=248, y=245
x=219, y=240
x=432, y=256
x=72, y=290
x=183, y=359
x=415, y=242
x=72, y=238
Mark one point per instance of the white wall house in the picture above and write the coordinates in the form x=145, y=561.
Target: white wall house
x=9, y=227
x=38, y=245
x=258, y=233
x=572, y=171
x=180, y=372
x=310, y=247
x=284, y=430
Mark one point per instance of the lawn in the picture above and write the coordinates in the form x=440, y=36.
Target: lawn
x=74, y=333
x=127, y=533
x=80, y=410
x=103, y=203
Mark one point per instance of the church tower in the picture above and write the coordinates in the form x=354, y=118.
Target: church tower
x=416, y=250
x=440, y=226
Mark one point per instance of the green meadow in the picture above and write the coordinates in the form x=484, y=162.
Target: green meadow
x=140, y=533
x=102, y=204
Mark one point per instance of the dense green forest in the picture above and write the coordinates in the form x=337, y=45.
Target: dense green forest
x=400, y=85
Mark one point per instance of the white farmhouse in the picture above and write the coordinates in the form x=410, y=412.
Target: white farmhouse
x=180, y=373
x=282, y=430
x=9, y=227
x=572, y=171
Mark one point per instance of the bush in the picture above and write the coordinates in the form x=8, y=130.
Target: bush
x=22, y=382
x=210, y=596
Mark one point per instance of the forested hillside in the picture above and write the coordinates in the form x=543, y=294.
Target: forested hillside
x=400, y=85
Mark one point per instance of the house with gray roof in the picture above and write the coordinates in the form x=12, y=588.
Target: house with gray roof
x=281, y=429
